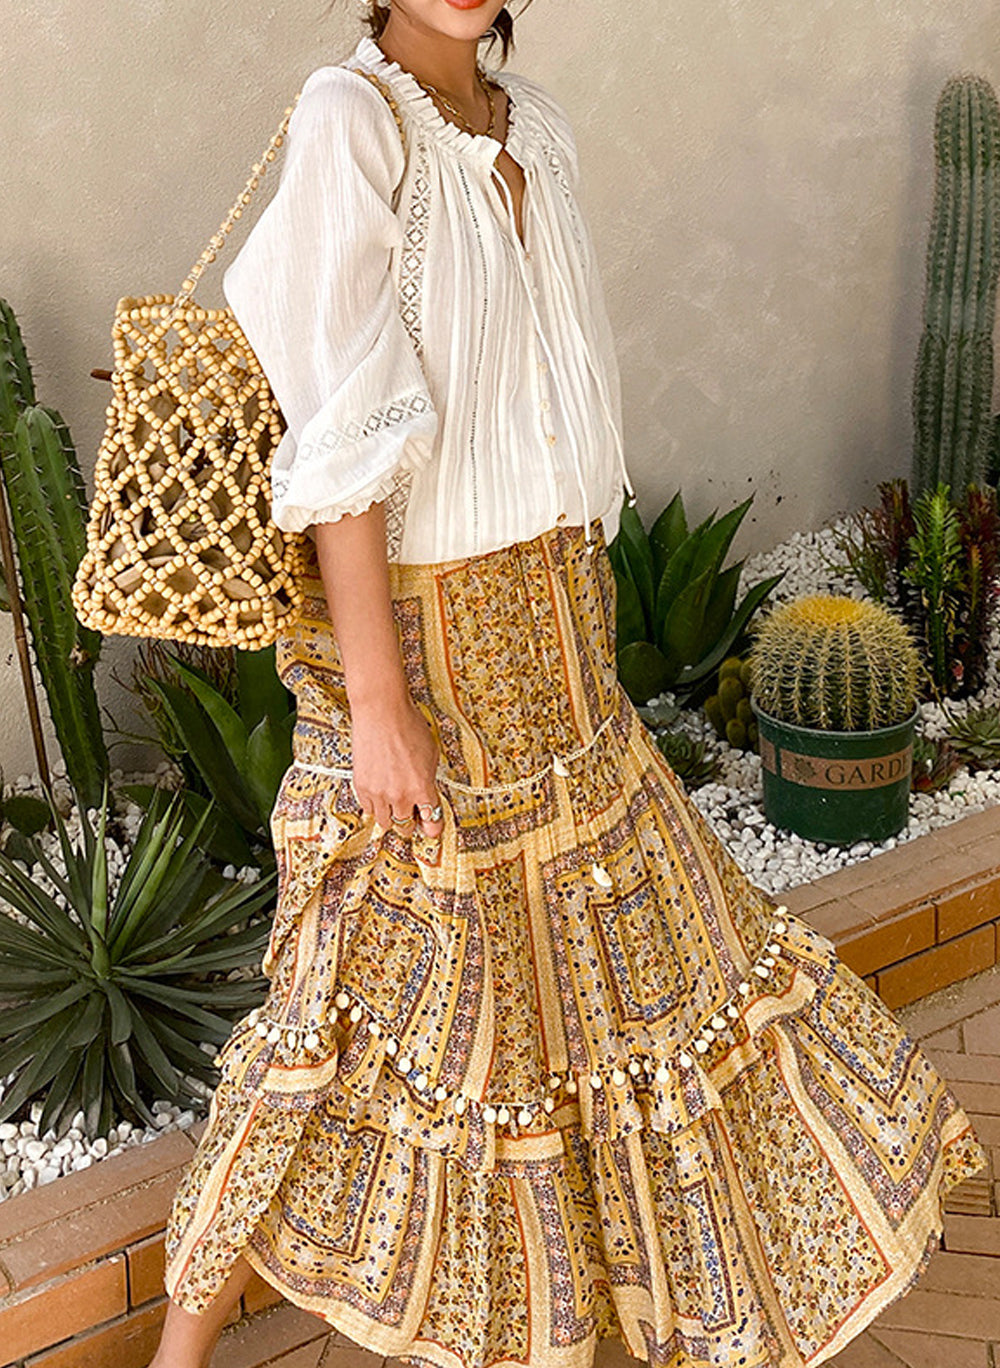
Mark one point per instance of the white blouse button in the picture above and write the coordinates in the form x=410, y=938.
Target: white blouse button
x=545, y=406
x=543, y=366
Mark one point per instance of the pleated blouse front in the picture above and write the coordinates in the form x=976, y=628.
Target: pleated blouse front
x=421, y=354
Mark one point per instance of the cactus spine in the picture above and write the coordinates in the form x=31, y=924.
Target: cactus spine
x=953, y=385
x=830, y=662
x=47, y=499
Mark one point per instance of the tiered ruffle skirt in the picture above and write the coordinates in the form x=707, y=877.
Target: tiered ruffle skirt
x=566, y=1074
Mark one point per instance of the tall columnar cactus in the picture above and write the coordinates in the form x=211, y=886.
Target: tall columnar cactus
x=953, y=385
x=48, y=507
x=831, y=662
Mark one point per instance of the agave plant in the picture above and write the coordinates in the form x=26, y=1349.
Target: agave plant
x=109, y=992
x=238, y=750
x=677, y=616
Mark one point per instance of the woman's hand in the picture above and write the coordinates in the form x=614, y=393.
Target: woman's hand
x=394, y=751
x=395, y=758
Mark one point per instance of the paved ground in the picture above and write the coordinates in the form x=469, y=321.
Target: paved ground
x=950, y=1320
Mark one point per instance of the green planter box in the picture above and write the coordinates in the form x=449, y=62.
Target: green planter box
x=836, y=786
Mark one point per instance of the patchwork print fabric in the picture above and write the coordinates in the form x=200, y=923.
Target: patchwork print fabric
x=567, y=1074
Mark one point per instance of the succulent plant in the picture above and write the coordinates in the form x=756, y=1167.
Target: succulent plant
x=935, y=761
x=834, y=663
x=953, y=384
x=677, y=615
x=728, y=709
x=48, y=511
x=109, y=990
x=937, y=564
x=689, y=758
x=975, y=737
x=239, y=750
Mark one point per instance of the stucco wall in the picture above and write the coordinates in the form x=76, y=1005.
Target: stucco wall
x=758, y=175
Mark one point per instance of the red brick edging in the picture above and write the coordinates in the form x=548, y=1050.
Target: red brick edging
x=81, y=1259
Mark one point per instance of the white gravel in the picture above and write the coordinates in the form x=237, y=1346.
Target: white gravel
x=776, y=860
x=28, y=1159
x=773, y=859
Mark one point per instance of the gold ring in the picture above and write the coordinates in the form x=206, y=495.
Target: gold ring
x=401, y=821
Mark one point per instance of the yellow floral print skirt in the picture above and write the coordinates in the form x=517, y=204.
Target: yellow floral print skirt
x=566, y=1074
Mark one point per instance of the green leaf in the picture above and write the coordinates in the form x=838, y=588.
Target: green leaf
x=93, y=1085
x=643, y=670
x=208, y=751
x=154, y=1057
x=14, y=1019
x=27, y=813
x=87, y=1026
x=22, y=892
x=268, y=756
x=225, y=718
x=121, y=1013
x=667, y=534
x=59, y=1093
x=123, y=1074
x=638, y=556
x=221, y=838
x=99, y=874
x=630, y=620
x=683, y=634
x=695, y=673
x=715, y=542
x=721, y=602
x=44, y=1058
x=261, y=692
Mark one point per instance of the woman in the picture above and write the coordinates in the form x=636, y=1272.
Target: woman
x=538, y=1065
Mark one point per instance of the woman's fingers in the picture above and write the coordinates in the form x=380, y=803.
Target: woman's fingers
x=430, y=812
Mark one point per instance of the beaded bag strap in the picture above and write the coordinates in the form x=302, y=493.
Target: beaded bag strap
x=256, y=175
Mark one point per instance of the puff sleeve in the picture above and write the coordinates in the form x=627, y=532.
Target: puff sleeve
x=312, y=290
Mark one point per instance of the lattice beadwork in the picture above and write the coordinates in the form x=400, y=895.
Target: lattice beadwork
x=180, y=539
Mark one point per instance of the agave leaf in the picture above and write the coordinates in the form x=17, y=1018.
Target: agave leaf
x=208, y=751
x=261, y=692
x=99, y=873
x=123, y=1074
x=222, y=838
x=267, y=758
x=145, y=850
x=22, y=944
x=715, y=542
x=41, y=1009
x=121, y=1013
x=693, y=674
x=682, y=636
x=66, y=940
x=88, y=1023
x=196, y=1061
x=721, y=602
x=180, y=1000
x=18, y=978
x=667, y=533
x=226, y=719
x=644, y=671
x=93, y=1084
x=154, y=1057
x=75, y=866
x=676, y=574
x=638, y=556
x=630, y=620
x=228, y=909
x=228, y=952
x=146, y=898
x=59, y=1092
x=43, y=1060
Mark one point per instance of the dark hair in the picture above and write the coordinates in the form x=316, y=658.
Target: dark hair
x=502, y=28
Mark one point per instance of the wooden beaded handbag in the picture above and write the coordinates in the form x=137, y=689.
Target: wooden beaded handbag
x=180, y=539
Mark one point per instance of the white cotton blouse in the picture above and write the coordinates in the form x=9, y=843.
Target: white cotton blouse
x=422, y=355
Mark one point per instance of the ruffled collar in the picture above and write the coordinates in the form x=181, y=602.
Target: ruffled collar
x=418, y=104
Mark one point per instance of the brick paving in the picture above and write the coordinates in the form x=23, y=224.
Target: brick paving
x=950, y=1320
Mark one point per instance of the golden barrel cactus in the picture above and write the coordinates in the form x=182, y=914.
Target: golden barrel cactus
x=836, y=664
